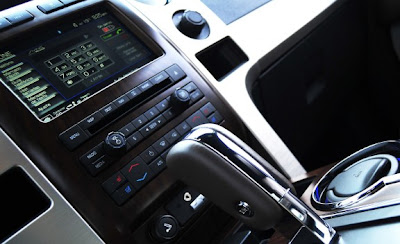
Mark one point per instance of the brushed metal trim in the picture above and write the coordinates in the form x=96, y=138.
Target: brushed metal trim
x=60, y=223
x=276, y=22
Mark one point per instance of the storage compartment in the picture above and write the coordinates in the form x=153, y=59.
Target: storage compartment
x=21, y=201
x=222, y=58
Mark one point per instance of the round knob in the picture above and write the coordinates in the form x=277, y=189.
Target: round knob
x=164, y=228
x=115, y=144
x=191, y=24
x=180, y=100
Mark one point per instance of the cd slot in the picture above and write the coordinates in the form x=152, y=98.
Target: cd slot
x=126, y=107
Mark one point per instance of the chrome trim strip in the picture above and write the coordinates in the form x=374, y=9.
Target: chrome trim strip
x=364, y=208
x=368, y=192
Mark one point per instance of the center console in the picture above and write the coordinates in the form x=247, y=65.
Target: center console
x=95, y=96
x=95, y=93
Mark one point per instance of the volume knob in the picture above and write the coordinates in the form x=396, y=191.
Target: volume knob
x=191, y=24
x=180, y=100
x=115, y=144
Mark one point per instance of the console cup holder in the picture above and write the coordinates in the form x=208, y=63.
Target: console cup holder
x=358, y=177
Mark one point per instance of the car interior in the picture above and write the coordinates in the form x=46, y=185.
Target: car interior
x=202, y=121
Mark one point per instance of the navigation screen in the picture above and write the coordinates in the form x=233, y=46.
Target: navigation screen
x=54, y=71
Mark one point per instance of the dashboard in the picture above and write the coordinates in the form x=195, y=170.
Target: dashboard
x=94, y=94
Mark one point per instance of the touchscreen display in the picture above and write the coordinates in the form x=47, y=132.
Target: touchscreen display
x=57, y=69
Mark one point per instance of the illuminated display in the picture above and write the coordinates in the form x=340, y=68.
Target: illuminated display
x=70, y=63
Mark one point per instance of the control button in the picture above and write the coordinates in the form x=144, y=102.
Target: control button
x=134, y=139
x=207, y=109
x=165, y=228
x=122, y=195
x=73, y=137
x=103, y=64
x=161, y=145
x=115, y=144
x=127, y=129
x=73, y=80
x=93, y=155
x=145, y=86
x=163, y=105
x=139, y=121
x=114, y=182
x=70, y=77
x=190, y=87
x=159, y=78
x=91, y=120
x=68, y=2
x=169, y=114
x=244, y=209
x=54, y=61
x=151, y=113
x=196, y=119
x=153, y=126
x=181, y=205
x=19, y=17
x=175, y=72
x=215, y=118
x=133, y=93
x=89, y=72
x=172, y=136
x=121, y=101
x=99, y=165
x=4, y=24
x=183, y=128
x=196, y=96
x=50, y=6
x=149, y=155
x=158, y=165
x=137, y=172
x=182, y=94
x=57, y=69
x=108, y=109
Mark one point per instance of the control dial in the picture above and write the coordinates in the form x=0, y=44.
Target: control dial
x=115, y=144
x=180, y=100
x=191, y=24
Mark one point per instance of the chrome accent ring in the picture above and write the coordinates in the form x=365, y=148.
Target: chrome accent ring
x=377, y=151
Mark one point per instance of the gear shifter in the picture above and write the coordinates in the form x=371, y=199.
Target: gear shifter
x=237, y=179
